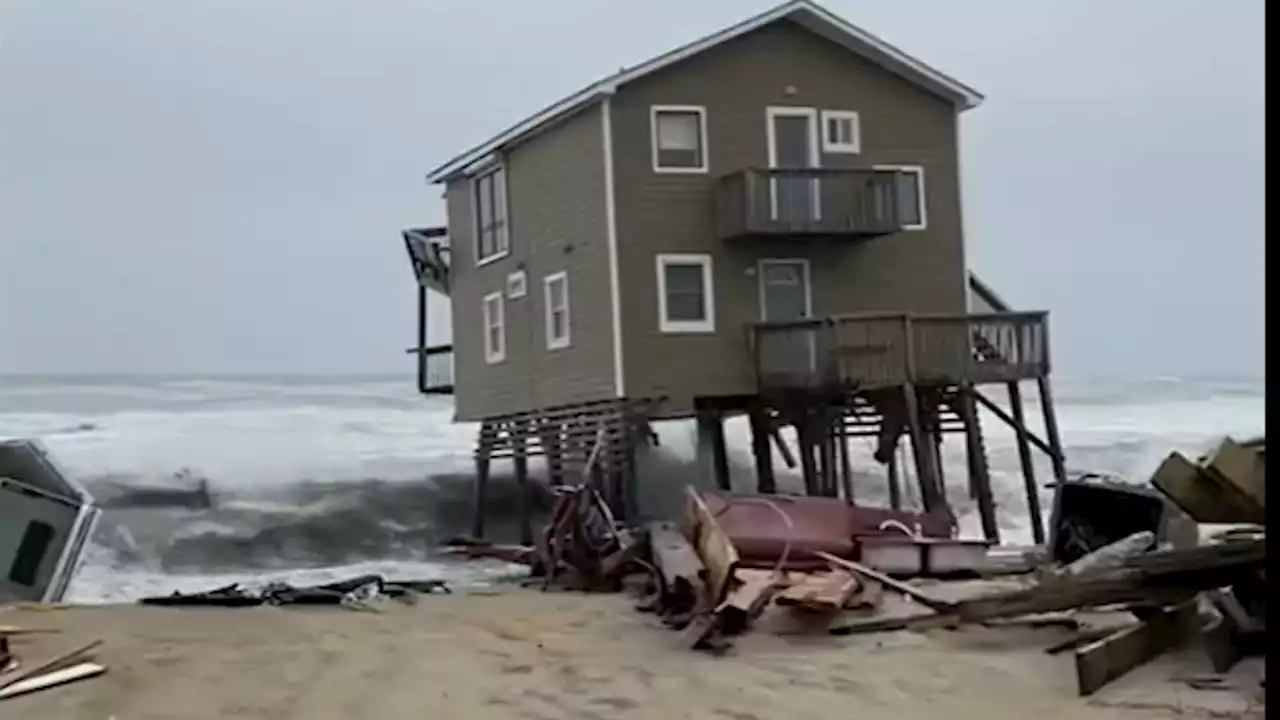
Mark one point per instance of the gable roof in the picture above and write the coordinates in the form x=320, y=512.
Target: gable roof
x=804, y=12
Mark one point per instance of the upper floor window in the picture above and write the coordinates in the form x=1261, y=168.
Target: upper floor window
x=495, y=328
x=841, y=132
x=685, y=294
x=556, y=289
x=908, y=184
x=492, y=239
x=679, y=138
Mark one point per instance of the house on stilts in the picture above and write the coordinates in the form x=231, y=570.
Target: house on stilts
x=764, y=222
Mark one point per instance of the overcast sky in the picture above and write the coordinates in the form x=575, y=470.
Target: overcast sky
x=194, y=186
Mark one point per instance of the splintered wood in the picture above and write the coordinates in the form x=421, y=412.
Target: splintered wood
x=63, y=668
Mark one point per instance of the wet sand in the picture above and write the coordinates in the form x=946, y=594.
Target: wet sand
x=521, y=654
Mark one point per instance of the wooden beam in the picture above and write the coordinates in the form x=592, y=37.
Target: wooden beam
x=1055, y=458
x=1102, y=661
x=1035, y=512
x=1020, y=428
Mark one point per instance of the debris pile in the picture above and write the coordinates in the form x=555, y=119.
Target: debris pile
x=832, y=566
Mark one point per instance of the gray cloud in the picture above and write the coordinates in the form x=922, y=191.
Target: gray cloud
x=217, y=186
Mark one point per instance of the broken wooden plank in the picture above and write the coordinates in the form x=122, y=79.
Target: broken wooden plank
x=53, y=678
x=1102, y=661
x=57, y=662
x=714, y=549
x=826, y=592
x=1080, y=637
x=1204, y=495
x=912, y=592
x=679, y=567
x=749, y=596
x=1241, y=468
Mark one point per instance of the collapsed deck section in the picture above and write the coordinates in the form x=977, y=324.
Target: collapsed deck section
x=429, y=255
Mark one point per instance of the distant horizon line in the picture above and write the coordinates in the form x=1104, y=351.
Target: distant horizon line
x=408, y=374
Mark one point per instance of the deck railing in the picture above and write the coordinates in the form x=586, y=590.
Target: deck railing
x=885, y=349
x=807, y=201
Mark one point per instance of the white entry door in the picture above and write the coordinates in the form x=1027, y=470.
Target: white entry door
x=786, y=295
x=793, y=144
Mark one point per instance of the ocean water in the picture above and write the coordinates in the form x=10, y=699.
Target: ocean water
x=317, y=479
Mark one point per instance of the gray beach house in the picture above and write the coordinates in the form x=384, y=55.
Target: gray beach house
x=766, y=221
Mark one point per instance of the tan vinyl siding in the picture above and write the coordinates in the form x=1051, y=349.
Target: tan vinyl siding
x=779, y=65
x=555, y=188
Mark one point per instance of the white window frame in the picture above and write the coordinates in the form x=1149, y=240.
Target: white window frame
x=921, y=193
x=557, y=343
x=502, y=239
x=854, y=146
x=517, y=285
x=704, y=148
x=494, y=355
x=666, y=325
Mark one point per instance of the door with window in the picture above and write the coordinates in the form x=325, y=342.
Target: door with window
x=793, y=144
x=786, y=295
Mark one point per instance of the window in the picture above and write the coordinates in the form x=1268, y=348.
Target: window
x=679, y=139
x=495, y=329
x=492, y=241
x=31, y=551
x=841, y=132
x=556, y=292
x=517, y=285
x=908, y=187
x=685, y=294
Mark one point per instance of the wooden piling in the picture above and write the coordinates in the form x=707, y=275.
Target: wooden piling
x=979, y=471
x=711, y=429
x=1028, y=468
x=483, y=449
x=520, y=463
x=760, y=422
x=1056, y=456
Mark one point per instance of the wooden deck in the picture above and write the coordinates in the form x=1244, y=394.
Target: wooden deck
x=804, y=203
x=869, y=351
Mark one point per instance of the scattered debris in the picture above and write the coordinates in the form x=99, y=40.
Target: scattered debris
x=64, y=668
x=354, y=592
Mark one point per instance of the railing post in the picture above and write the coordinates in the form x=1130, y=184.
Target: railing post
x=931, y=490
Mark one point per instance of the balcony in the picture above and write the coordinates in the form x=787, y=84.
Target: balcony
x=814, y=202
x=869, y=351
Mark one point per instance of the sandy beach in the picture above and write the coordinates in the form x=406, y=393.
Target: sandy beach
x=539, y=656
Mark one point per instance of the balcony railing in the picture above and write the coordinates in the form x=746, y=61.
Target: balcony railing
x=435, y=369
x=880, y=350
x=808, y=201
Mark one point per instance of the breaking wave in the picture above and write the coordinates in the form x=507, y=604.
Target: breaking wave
x=311, y=480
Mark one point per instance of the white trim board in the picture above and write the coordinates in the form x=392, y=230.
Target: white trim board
x=557, y=343
x=611, y=241
x=806, y=13
x=707, y=325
